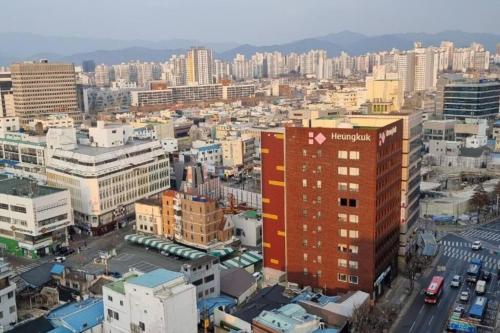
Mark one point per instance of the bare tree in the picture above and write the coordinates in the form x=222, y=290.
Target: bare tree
x=479, y=200
x=415, y=264
x=372, y=318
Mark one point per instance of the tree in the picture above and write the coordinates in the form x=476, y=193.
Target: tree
x=372, y=318
x=479, y=200
x=415, y=264
x=496, y=195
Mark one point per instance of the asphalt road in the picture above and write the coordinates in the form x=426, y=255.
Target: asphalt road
x=455, y=253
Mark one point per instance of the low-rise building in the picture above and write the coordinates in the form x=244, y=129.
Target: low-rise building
x=204, y=274
x=248, y=228
x=9, y=124
x=439, y=130
x=158, y=301
x=290, y=318
x=238, y=152
x=33, y=218
x=148, y=216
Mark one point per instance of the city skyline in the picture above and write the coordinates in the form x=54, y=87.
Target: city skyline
x=208, y=21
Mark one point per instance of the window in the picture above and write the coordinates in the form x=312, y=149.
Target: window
x=304, y=242
x=342, y=217
x=212, y=290
x=318, y=183
x=121, y=303
x=4, y=206
x=319, y=259
x=318, y=244
x=198, y=282
x=304, y=167
x=342, y=186
x=318, y=214
x=343, y=232
x=353, y=249
x=304, y=182
x=116, y=315
x=353, y=279
x=342, y=263
x=319, y=228
x=18, y=209
x=353, y=234
x=342, y=202
x=353, y=264
x=318, y=169
x=10, y=294
x=305, y=271
x=354, y=171
x=304, y=152
x=305, y=256
x=304, y=227
x=1, y=314
x=353, y=203
x=353, y=218
x=319, y=273
x=304, y=197
x=353, y=187
x=12, y=309
x=318, y=199
x=110, y=313
x=142, y=326
x=319, y=153
x=304, y=212
x=342, y=154
x=354, y=155
x=110, y=298
x=342, y=277
x=209, y=278
x=342, y=247
x=342, y=171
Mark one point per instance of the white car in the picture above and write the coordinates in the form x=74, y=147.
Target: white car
x=476, y=245
x=60, y=259
x=455, y=282
x=464, y=296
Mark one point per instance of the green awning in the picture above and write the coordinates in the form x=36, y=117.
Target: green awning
x=221, y=252
x=165, y=245
x=246, y=259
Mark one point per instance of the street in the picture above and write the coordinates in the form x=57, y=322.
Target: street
x=454, y=256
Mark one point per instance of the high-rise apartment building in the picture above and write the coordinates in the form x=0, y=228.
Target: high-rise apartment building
x=88, y=66
x=199, y=66
x=406, y=70
x=425, y=74
x=480, y=99
x=331, y=195
x=102, y=78
x=42, y=88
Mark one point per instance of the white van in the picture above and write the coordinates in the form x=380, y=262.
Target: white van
x=480, y=287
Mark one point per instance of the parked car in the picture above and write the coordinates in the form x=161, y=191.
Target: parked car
x=115, y=274
x=65, y=251
x=486, y=276
x=480, y=287
x=476, y=245
x=60, y=259
x=464, y=296
x=459, y=310
x=456, y=281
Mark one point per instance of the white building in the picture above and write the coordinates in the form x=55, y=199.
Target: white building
x=158, y=301
x=33, y=218
x=8, y=309
x=247, y=228
x=9, y=124
x=106, y=173
x=206, y=152
x=53, y=120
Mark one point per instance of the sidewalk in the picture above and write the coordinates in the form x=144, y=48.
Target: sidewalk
x=400, y=297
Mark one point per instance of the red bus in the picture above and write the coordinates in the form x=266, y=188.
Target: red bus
x=433, y=292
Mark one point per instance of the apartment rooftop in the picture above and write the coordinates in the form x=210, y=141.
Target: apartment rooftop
x=23, y=187
x=155, y=278
x=118, y=286
x=96, y=151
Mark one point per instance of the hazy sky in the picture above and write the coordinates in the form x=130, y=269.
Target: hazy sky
x=252, y=21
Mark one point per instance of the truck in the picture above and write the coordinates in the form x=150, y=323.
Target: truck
x=474, y=270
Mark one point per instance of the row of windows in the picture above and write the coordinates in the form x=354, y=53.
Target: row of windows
x=13, y=208
x=344, y=263
x=353, y=279
x=341, y=154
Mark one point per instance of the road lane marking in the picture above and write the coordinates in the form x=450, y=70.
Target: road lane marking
x=421, y=309
x=430, y=321
x=412, y=325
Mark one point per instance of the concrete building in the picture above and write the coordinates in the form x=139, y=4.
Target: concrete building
x=425, y=74
x=233, y=92
x=148, y=217
x=290, y=318
x=238, y=152
x=106, y=174
x=42, y=88
x=102, y=76
x=385, y=91
x=248, y=228
x=103, y=99
x=152, y=97
x=439, y=130
x=204, y=274
x=9, y=124
x=471, y=100
x=197, y=93
x=158, y=301
x=193, y=220
x=6, y=95
x=33, y=218
x=302, y=190
x=53, y=120
x=8, y=308
x=471, y=127
x=199, y=66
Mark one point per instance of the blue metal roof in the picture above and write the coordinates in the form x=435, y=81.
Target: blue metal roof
x=155, y=278
x=57, y=269
x=209, y=304
x=78, y=317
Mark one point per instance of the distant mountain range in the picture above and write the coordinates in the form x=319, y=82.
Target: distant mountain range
x=26, y=46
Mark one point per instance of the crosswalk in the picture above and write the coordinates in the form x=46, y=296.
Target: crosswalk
x=463, y=253
x=23, y=269
x=482, y=234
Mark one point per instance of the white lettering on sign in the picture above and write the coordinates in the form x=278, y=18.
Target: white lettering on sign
x=387, y=133
x=351, y=137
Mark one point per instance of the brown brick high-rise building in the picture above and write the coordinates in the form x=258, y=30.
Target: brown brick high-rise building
x=41, y=89
x=341, y=181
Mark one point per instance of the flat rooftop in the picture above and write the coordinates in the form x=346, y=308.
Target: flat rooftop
x=23, y=187
x=118, y=286
x=155, y=278
x=96, y=151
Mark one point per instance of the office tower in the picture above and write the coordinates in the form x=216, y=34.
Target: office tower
x=331, y=196
x=42, y=88
x=448, y=48
x=199, y=66
x=406, y=70
x=88, y=66
x=384, y=95
x=479, y=99
x=6, y=95
x=102, y=78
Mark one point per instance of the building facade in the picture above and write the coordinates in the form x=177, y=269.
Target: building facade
x=8, y=308
x=471, y=100
x=328, y=163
